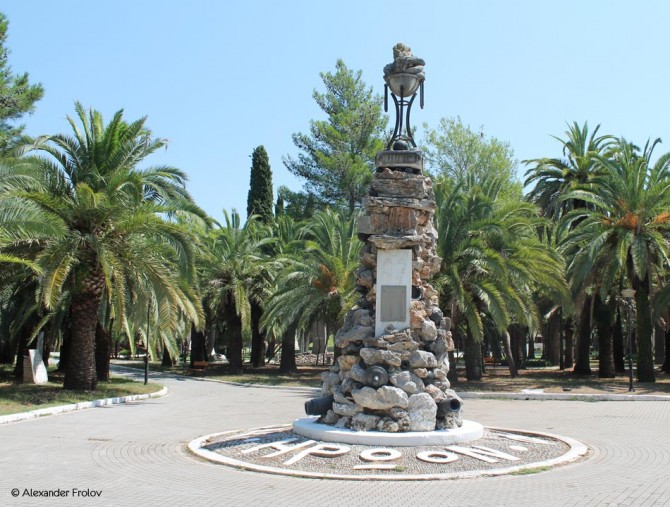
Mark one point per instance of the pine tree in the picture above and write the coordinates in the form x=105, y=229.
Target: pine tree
x=17, y=95
x=337, y=157
x=259, y=199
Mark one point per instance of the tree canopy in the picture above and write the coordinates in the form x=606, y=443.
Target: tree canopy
x=337, y=156
x=17, y=95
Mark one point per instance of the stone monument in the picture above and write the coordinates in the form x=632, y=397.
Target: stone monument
x=392, y=374
x=34, y=371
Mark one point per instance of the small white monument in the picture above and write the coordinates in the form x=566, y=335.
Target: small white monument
x=34, y=371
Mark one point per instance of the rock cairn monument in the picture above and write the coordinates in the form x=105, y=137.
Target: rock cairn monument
x=392, y=374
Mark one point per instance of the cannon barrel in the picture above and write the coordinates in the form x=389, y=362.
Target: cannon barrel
x=450, y=405
x=376, y=376
x=319, y=406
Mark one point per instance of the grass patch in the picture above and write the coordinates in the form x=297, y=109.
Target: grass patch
x=530, y=471
x=300, y=379
x=16, y=397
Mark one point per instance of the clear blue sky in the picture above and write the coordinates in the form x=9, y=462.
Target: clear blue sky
x=218, y=78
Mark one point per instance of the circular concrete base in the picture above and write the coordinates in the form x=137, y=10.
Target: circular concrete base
x=279, y=450
x=308, y=427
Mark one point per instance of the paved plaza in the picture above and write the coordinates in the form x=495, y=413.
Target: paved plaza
x=135, y=454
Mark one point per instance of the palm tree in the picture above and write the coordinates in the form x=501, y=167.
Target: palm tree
x=317, y=282
x=117, y=231
x=625, y=231
x=554, y=178
x=237, y=262
x=493, y=260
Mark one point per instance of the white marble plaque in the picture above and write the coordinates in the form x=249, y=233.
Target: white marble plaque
x=394, y=289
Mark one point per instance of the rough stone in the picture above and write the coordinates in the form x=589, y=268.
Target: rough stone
x=357, y=373
x=421, y=372
x=417, y=314
x=344, y=422
x=329, y=379
x=384, y=398
x=346, y=362
x=346, y=409
x=369, y=260
x=377, y=343
x=408, y=345
x=339, y=396
x=422, y=359
x=356, y=333
x=388, y=425
x=364, y=278
x=408, y=185
x=401, y=417
x=408, y=382
x=330, y=418
x=442, y=384
x=435, y=393
x=364, y=422
x=397, y=336
x=428, y=331
x=381, y=204
x=387, y=242
x=352, y=349
x=349, y=384
x=422, y=412
x=376, y=356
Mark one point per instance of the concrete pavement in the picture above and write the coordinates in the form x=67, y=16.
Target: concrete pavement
x=135, y=454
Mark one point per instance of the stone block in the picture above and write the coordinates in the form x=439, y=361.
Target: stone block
x=422, y=359
x=376, y=356
x=422, y=412
x=384, y=398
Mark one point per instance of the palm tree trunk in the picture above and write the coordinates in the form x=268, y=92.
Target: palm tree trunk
x=510, y=357
x=473, y=358
x=234, y=338
x=287, y=363
x=569, y=353
x=666, y=363
x=531, y=347
x=80, y=374
x=23, y=342
x=583, y=359
x=65, y=345
x=452, y=374
x=258, y=344
x=167, y=359
x=603, y=320
x=198, y=347
x=552, y=343
x=101, y=353
x=518, y=345
x=644, y=330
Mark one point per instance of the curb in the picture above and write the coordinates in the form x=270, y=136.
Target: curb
x=61, y=409
x=481, y=395
x=562, y=396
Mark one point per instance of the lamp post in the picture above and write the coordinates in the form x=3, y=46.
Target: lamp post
x=628, y=295
x=146, y=353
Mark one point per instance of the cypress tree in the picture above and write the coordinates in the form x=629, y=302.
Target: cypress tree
x=279, y=207
x=259, y=199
